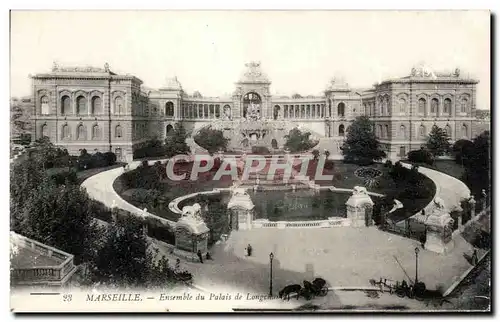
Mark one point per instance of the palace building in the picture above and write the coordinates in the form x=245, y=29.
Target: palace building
x=96, y=109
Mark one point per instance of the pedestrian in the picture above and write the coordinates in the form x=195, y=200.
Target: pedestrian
x=209, y=257
x=177, y=265
x=474, y=257
x=249, y=250
x=200, y=256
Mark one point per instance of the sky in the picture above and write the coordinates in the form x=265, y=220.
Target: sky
x=300, y=51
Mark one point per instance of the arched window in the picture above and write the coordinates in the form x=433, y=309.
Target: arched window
x=81, y=105
x=285, y=111
x=217, y=111
x=118, y=131
x=464, y=105
x=169, y=129
x=402, y=151
x=95, y=132
x=330, y=107
x=421, y=105
x=341, y=109
x=434, y=105
x=96, y=105
x=44, y=105
x=447, y=106
x=386, y=131
x=302, y=111
x=387, y=106
x=65, y=132
x=341, y=130
x=402, y=132
x=276, y=112
x=169, y=109
x=421, y=131
x=80, y=133
x=379, y=130
x=45, y=130
x=402, y=105
x=464, y=131
x=65, y=105
x=119, y=109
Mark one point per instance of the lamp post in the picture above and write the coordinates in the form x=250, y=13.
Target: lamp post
x=271, y=256
x=417, y=250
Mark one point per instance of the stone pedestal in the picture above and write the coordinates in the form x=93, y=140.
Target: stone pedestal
x=241, y=210
x=191, y=233
x=439, y=229
x=360, y=208
x=472, y=205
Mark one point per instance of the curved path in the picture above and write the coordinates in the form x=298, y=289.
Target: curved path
x=100, y=188
x=448, y=188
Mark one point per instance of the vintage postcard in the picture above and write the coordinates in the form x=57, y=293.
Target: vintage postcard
x=250, y=161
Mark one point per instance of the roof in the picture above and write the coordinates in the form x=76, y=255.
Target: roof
x=422, y=73
x=83, y=72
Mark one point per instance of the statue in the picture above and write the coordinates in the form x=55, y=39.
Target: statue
x=106, y=68
x=227, y=113
x=439, y=203
x=55, y=67
x=193, y=212
x=253, y=112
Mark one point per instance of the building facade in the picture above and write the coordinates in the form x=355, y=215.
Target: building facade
x=98, y=110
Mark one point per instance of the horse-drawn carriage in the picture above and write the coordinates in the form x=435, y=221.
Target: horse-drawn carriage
x=318, y=287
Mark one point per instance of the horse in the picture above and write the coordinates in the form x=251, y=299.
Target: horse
x=285, y=292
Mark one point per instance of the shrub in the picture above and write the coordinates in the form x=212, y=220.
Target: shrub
x=315, y=154
x=462, y=149
x=98, y=160
x=388, y=164
x=329, y=164
x=64, y=177
x=100, y=211
x=420, y=156
x=260, y=150
x=84, y=161
x=110, y=158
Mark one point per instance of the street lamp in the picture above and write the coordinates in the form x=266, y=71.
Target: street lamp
x=417, y=250
x=271, y=256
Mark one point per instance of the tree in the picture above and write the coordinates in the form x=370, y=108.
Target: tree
x=124, y=257
x=298, y=141
x=361, y=145
x=210, y=139
x=45, y=152
x=438, y=141
x=296, y=95
x=420, y=156
x=26, y=176
x=315, y=154
x=176, y=142
x=477, y=165
x=60, y=216
x=462, y=149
